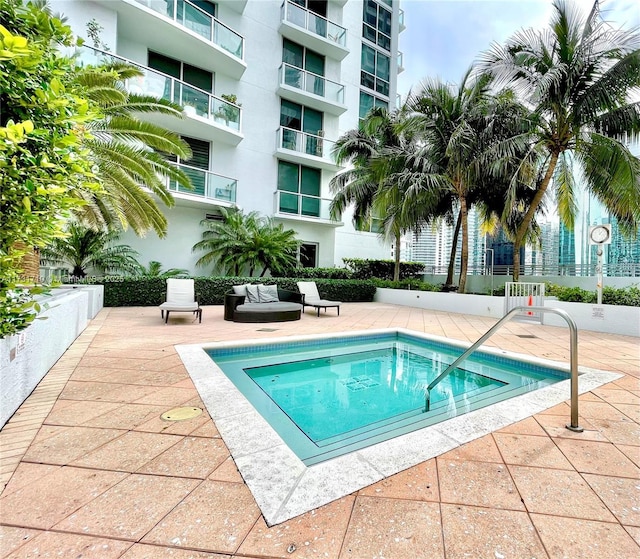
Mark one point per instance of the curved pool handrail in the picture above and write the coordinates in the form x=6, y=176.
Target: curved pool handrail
x=573, y=346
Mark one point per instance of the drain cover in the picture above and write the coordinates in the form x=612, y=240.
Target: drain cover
x=180, y=414
x=526, y=336
x=267, y=330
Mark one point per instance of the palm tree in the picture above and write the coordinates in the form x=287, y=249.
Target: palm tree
x=154, y=269
x=238, y=242
x=129, y=154
x=578, y=77
x=373, y=152
x=84, y=249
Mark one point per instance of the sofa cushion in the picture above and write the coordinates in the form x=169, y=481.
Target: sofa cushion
x=268, y=293
x=252, y=294
x=267, y=307
x=240, y=289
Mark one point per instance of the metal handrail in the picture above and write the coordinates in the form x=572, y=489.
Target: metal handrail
x=573, y=347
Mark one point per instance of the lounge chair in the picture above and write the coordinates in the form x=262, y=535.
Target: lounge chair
x=180, y=298
x=311, y=297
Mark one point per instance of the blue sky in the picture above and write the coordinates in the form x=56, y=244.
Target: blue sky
x=443, y=37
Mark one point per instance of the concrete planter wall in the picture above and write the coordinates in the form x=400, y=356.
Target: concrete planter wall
x=26, y=357
x=612, y=319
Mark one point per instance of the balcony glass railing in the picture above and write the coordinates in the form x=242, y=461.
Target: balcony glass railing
x=195, y=101
x=401, y=18
x=296, y=14
x=206, y=184
x=311, y=83
x=197, y=20
x=302, y=142
x=400, y=60
x=302, y=205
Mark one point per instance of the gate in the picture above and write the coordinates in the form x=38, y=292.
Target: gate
x=518, y=294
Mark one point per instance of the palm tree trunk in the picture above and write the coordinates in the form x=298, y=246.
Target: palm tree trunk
x=454, y=248
x=464, y=257
x=396, y=267
x=528, y=217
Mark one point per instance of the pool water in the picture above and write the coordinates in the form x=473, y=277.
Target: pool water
x=327, y=398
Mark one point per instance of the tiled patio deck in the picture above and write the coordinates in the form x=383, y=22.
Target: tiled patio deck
x=93, y=471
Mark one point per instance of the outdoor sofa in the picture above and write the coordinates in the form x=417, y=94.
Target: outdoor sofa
x=271, y=305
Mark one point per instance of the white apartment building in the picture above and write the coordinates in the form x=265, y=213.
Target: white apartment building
x=267, y=86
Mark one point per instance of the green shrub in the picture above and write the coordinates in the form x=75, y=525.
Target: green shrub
x=627, y=296
x=406, y=284
x=315, y=273
x=151, y=291
x=382, y=269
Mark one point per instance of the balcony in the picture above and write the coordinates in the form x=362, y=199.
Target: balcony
x=311, y=90
x=400, y=60
x=313, y=31
x=301, y=207
x=306, y=149
x=208, y=188
x=401, y=25
x=183, y=29
x=208, y=117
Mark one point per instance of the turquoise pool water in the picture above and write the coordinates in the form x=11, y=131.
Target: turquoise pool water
x=329, y=397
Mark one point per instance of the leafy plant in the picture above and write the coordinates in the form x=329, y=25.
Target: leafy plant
x=362, y=268
x=154, y=269
x=84, y=249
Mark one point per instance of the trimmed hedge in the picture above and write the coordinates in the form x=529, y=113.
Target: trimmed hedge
x=382, y=269
x=151, y=291
x=414, y=284
x=629, y=296
x=316, y=273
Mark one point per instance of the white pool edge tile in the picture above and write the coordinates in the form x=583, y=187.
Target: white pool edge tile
x=284, y=487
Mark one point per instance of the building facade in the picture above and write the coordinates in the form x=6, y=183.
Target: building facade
x=268, y=87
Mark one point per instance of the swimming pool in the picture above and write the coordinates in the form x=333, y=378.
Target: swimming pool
x=330, y=399
x=284, y=486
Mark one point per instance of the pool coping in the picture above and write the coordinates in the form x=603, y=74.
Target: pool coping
x=284, y=487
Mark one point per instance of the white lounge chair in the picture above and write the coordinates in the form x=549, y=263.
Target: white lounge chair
x=180, y=298
x=311, y=298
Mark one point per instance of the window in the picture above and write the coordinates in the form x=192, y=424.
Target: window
x=375, y=225
x=296, y=117
x=210, y=7
x=368, y=102
x=193, y=99
x=199, y=160
x=300, y=189
x=308, y=255
x=376, y=24
x=301, y=57
x=375, y=70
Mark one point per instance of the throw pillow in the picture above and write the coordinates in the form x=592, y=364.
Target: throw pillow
x=268, y=293
x=252, y=294
x=240, y=289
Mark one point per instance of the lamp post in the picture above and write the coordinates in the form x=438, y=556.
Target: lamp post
x=485, y=265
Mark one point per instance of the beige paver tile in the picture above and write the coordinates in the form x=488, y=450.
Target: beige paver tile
x=62, y=445
x=483, y=449
x=619, y=432
x=419, y=483
x=11, y=538
x=527, y=426
x=393, y=528
x=72, y=412
x=529, y=450
x=27, y=473
x=558, y=492
x=126, y=416
x=50, y=545
x=621, y=495
x=569, y=537
x=184, y=427
x=556, y=426
x=168, y=397
x=141, y=551
x=193, y=457
x=480, y=532
x=597, y=458
x=603, y=410
x=632, y=411
x=129, y=452
x=53, y=497
x=634, y=532
x=129, y=509
x=618, y=396
x=477, y=483
x=315, y=534
x=227, y=471
x=217, y=516
x=630, y=451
